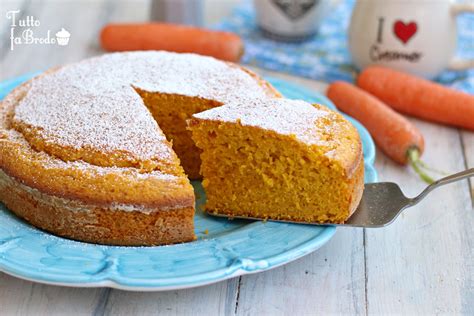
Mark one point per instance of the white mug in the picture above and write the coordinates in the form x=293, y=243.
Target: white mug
x=177, y=11
x=290, y=20
x=415, y=36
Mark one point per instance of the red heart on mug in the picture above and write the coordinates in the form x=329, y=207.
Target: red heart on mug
x=404, y=31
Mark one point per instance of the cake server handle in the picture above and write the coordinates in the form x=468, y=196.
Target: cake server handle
x=446, y=180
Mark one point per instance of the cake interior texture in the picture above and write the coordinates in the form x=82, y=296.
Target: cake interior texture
x=253, y=171
x=171, y=112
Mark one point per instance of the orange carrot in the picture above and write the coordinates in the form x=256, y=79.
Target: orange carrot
x=393, y=133
x=172, y=37
x=419, y=97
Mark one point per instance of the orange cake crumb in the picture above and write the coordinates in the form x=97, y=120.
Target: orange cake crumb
x=279, y=159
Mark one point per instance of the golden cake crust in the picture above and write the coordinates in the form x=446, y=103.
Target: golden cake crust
x=96, y=224
x=77, y=200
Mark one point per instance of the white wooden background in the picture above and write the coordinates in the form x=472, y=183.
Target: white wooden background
x=422, y=264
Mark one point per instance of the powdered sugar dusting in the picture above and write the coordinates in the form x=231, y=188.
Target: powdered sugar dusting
x=104, y=171
x=288, y=117
x=92, y=104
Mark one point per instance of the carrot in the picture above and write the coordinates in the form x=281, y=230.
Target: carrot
x=394, y=134
x=172, y=37
x=419, y=97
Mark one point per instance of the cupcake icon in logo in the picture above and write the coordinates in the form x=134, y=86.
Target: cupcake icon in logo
x=63, y=37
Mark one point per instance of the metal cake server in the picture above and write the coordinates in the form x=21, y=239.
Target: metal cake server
x=382, y=202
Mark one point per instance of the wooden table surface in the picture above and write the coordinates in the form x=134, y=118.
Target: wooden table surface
x=421, y=264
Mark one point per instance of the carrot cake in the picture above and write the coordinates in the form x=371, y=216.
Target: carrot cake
x=91, y=151
x=279, y=159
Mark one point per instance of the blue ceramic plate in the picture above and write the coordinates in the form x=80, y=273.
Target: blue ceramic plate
x=230, y=248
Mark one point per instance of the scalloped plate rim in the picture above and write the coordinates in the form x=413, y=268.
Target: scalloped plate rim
x=184, y=284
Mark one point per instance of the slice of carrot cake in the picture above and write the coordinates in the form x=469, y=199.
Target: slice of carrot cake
x=279, y=159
